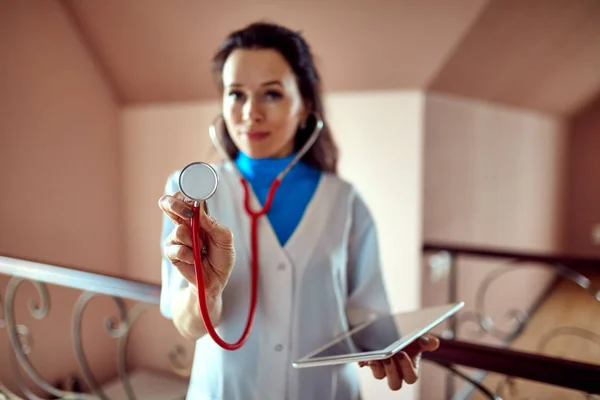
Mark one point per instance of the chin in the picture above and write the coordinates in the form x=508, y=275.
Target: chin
x=254, y=152
x=262, y=152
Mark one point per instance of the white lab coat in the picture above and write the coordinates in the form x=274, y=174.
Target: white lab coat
x=308, y=292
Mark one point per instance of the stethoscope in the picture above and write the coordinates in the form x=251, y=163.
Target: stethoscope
x=198, y=181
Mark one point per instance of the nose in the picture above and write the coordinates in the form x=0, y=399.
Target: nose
x=252, y=110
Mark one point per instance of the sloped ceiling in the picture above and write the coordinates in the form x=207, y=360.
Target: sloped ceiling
x=535, y=54
x=538, y=54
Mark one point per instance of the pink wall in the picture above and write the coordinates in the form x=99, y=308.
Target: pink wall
x=59, y=172
x=380, y=135
x=155, y=141
x=493, y=177
x=380, y=153
x=583, y=205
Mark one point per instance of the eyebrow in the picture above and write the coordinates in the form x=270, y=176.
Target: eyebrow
x=268, y=83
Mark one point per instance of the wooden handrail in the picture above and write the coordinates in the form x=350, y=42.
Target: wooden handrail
x=536, y=367
x=588, y=264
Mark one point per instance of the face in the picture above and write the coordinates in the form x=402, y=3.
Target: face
x=262, y=105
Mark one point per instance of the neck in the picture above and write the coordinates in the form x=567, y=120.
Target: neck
x=263, y=169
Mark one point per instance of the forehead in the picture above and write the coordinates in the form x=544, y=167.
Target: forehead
x=253, y=67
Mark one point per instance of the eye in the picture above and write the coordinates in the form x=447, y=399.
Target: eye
x=236, y=94
x=273, y=95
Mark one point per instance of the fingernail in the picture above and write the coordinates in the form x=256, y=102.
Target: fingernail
x=424, y=340
x=188, y=212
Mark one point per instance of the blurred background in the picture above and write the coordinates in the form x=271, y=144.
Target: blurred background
x=467, y=125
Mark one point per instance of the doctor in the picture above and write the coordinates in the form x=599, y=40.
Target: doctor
x=318, y=249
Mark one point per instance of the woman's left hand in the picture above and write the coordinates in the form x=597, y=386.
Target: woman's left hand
x=404, y=366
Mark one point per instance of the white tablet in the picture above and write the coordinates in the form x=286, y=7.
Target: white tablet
x=379, y=337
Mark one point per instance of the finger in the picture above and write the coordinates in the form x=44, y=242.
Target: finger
x=216, y=232
x=393, y=374
x=182, y=234
x=179, y=257
x=377, y=369
x=406, y=367
x=429, y=343
x=176, y=207
x=179, y=245
x=424, y=343
x=179, y=253
x=416, y=361
x=177, y=220
x=188, y=271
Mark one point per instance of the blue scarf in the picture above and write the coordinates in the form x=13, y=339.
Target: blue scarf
x=291, y=198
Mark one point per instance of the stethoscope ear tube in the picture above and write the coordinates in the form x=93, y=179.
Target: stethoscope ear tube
x=214, y=137
x=199, y=207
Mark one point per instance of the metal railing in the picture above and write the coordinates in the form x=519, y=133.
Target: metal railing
x=20, y=272
x=452, y=355
x=513, y=365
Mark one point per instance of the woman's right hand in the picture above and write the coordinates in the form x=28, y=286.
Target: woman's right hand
x=218, y=259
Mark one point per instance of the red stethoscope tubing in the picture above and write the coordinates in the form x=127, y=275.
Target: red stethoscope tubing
x=196, y=250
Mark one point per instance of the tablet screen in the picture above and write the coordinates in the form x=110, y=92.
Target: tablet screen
x=375, y=336
x=388, y=330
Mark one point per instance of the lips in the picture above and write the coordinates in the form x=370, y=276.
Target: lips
x=257, y=135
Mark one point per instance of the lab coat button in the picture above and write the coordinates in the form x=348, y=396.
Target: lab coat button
x=281, y=266
x=278, y=347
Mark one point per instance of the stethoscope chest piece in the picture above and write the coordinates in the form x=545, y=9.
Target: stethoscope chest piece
x=198, y=181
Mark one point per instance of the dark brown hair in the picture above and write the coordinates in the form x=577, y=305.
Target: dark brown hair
x=263, y=35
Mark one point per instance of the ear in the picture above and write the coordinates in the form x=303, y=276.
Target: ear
x=302, y=124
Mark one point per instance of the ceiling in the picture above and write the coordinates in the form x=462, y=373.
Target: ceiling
x=538, y=54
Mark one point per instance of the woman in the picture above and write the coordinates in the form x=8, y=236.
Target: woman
x=319, y=261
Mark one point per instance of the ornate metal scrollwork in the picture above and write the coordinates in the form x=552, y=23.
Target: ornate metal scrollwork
x=510, y=385
x=20, y=381
x=20, y=336
x=114, y=329
x=578, y=332
x=516, y=318
x=117, y=327
x=483, y=322
x=477, y=385
x=567, y=331
x=7, y=394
